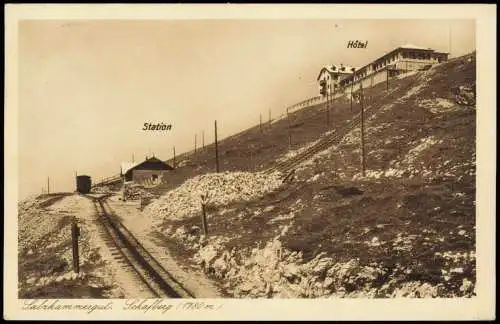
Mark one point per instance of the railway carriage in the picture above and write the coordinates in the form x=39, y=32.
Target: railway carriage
x=83, y=184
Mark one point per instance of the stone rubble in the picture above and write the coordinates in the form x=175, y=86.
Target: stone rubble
x=274, y=272
x=135, y=191
x=466, y=95
x=220, y=188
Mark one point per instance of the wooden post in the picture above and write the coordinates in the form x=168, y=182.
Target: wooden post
x=352, y=85
x=333, y=101
x=387, y=79
x=204, y=216
x=449, y=39
x=289, y=129
x=174, y=159
x=216, y=150
x=75, y=233
x=362, y=132
x=327, y=110
x=260, y=122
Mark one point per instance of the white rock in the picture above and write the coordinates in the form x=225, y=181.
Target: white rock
x=291, y=270
x=208, y=253
x=220, y=188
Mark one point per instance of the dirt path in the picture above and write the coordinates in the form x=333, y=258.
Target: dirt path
x=127, y=283
x=139, y=224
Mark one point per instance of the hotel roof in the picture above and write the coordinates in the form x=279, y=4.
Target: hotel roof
x=411, y=46
x=334, y=68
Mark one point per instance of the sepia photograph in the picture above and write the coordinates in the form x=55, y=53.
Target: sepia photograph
x=220, y=159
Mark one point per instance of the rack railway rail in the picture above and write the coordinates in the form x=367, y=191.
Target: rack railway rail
x=332, y=139
x=148, y=271
x=288, y=166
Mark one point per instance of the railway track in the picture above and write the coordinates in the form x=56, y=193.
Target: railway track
x=332, y=139
x=285, y=167
x=148, y=272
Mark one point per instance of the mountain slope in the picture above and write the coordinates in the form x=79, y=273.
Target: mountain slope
x=406, y=228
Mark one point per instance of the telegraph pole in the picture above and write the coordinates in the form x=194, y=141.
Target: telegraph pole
x=48, y=185
x=203, y=139
x=333, y=100
x=174, y=159
x=327, y=109
x=195, y=144
x=362, y=131
x=260, y=123
x=216, y=150
x=352, y=84
x=269, y=117
x=387, y=78
x=449, y=39
x=289, y=128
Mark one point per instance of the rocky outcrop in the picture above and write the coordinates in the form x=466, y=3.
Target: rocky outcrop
x=274, y=272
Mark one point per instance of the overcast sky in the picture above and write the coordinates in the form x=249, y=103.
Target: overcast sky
x=87, y=87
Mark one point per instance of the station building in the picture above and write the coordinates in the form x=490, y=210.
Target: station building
x=149, y=172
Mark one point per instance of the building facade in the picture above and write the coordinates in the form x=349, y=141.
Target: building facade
x=151, y=171
x=332, y=75
x=401, y=60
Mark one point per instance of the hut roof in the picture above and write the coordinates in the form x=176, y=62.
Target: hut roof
x=126, y=166
x=155, y=162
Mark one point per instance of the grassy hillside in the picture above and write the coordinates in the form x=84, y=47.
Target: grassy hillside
x=406, y=228
x=253, y=150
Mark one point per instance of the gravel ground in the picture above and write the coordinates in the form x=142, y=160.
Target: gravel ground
x=139, y=223
x=45, y=253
